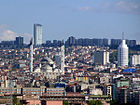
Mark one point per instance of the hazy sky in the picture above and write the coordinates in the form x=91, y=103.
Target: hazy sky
x=64, y=18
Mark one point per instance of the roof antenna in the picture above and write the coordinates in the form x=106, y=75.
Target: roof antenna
x=122, y=35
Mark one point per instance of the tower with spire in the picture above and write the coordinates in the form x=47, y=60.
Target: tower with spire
x=123, y=53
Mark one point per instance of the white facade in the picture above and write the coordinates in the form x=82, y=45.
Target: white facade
x=109, y=90
x=134, y=60
x=123, y=54
x=96, y=92
x=101, y=57
x=62, y=57
x=31, y=55
x=37, y=34
x=104, y=79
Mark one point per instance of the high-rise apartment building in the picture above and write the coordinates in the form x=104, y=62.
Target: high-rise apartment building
x=116, y=42
x=37, y=34
x=19, y=41
x=135, y=60
x=101, y=57
x=123, y=54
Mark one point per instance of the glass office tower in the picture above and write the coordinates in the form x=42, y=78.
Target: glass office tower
x=37, y=34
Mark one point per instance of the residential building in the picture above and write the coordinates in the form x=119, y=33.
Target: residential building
x=135, y=60
x=19, y=41
x=101, y=57
x=55, y=91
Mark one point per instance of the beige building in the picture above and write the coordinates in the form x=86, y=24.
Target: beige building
x=96, y=92
x=109, y=90
x=55, y=91
x=134, y=60
x=82, y=78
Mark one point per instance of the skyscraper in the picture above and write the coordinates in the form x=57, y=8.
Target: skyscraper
x=37, y=34
x=19, y=41
x=123, y=54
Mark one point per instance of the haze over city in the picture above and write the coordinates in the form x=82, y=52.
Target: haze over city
x=64, y=18
x=70, y=52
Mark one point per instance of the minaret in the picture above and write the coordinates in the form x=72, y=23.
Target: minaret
x=31, y=55
x=62, y=57
x=123, y=53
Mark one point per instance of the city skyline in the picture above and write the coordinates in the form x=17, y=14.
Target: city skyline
x=61, y=19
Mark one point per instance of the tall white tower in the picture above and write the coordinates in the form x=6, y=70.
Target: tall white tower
x=123, y=54
x=62, y=57
x=31, y=55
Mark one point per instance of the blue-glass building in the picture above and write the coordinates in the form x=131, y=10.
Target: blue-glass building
x=37, y=34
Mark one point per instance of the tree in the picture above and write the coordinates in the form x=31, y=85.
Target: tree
x=95, y=102
x=113, y=56
x=65, y=103
x=114, y=102
x=16, y=101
